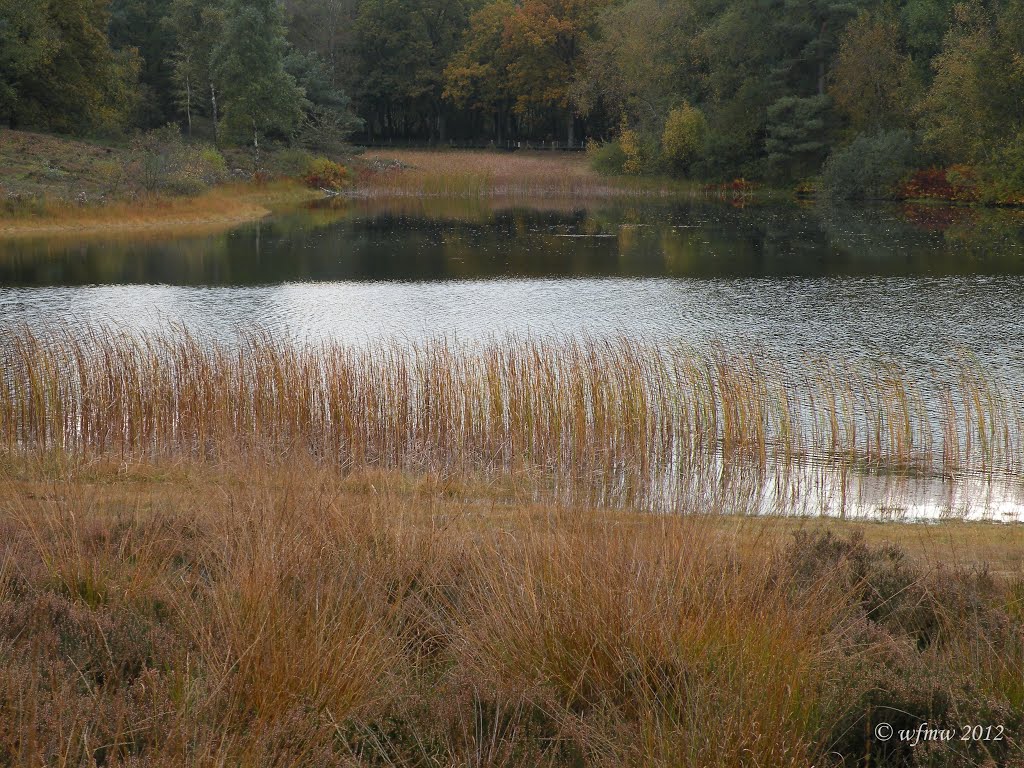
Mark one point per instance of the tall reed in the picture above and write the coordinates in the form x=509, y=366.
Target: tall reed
x=628, y=421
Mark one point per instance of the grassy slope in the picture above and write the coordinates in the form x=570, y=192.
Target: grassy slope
x=80, y=192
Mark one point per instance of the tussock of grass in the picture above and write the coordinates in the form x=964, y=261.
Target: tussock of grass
x=278, y=614
x=608, y=421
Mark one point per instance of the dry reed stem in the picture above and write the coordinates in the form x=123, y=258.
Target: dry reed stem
x=629, y=422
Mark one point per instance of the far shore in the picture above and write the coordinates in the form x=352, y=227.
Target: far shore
x=218, y=210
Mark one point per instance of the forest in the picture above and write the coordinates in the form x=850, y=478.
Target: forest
x=854, y=94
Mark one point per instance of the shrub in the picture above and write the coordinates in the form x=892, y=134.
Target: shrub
x=606, y=157
x=290, y=162
x=632, y=149
x=160, y=161
x=871, y=167
x=213, y=164
x=684, y=137
x=1003, y=174
x=325, y=174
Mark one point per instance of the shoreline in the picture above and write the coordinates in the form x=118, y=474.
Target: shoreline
x=220, y=209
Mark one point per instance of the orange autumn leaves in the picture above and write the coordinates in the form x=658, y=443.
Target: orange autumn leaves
x=521, y=56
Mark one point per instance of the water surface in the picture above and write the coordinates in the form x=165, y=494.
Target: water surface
x=917, y=285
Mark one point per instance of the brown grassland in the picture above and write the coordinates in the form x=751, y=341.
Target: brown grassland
x=218, y=210
x=250, y=613
x=265, y=556
x=55, y=186
x=536, y=175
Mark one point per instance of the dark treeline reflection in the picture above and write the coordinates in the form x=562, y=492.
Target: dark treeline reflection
x=432, y=240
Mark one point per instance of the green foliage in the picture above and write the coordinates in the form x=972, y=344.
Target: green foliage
x=967, y=109
x=606, y=157
x=1003, y=173
x=327, y=120
x=162, y=162
x=58, y=70
x=873, y=81
x=797, y=140
x=260, y=96
x=643, y=59
x=138, y=25
x=684, y=137
x=771, y=89
x=870, y=167
x=322, y=173
x=197, y=27
x=292, y=162
x=477, y=75
x=402, y=49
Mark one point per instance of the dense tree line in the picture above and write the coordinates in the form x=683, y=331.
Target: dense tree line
x=856, y=90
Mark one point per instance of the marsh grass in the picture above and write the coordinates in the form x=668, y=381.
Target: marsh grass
x=218, y=209
x=613, y=422
x=484, y=174
x=274, y=612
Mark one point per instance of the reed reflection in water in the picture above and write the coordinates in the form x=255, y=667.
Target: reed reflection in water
x=617, y=422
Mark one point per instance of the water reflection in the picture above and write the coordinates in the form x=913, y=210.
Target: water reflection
x=417, y=240
x=917, y=285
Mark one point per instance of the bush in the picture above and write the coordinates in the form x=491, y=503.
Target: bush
x=160, y=161
x=606, y=157
x=870, y=168
x=325, y=174
x=1003, y=174
x=291, y=162
x=684, y=137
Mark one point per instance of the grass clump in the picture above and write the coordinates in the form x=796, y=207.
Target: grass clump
x=267, y=613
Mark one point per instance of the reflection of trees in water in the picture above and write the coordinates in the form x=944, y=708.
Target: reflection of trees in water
x=438, y=240
x=927, y=239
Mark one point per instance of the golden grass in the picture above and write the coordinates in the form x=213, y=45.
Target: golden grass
x=220, y=209
x=483, y=174
x=615, y=422
x=255, y=613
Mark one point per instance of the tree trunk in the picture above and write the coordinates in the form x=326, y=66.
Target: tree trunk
x=256, y=146
x=188, y=103
x=821, y=62
x=442, y=128
x=571, y=129
x=213, y=100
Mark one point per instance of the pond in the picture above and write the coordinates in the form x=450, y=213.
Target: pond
x=921, y=286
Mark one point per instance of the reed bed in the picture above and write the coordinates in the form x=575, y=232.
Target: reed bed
x=487, y=174
x=613, y=422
